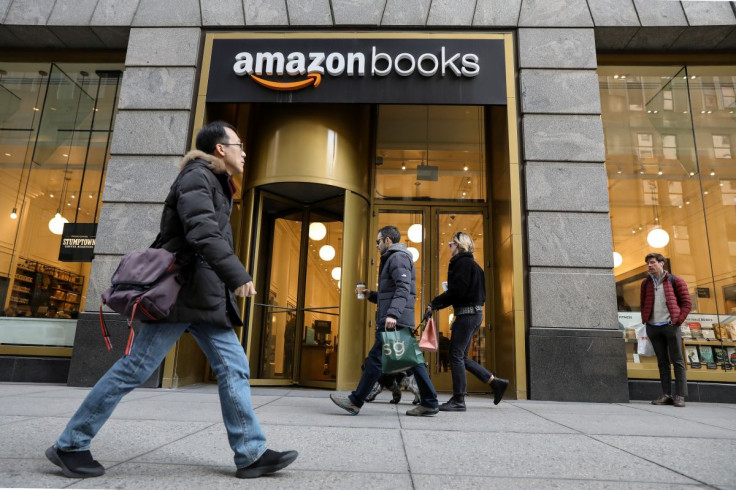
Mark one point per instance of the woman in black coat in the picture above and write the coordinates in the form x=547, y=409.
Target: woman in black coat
x=466, y=292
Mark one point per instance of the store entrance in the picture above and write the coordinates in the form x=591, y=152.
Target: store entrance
x=427, y=231
x=297, y=313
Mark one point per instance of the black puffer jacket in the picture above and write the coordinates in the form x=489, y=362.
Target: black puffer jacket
x=196, y=225
x=397, y=287
x=466, y=284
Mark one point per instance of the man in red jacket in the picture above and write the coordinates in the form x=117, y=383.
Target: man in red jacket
x=665, y=303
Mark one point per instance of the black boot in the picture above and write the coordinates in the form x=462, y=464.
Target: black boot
x=498, y=386
x=454, y=404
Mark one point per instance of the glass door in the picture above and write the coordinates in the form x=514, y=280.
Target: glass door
x=426, y=230
x=299, y=303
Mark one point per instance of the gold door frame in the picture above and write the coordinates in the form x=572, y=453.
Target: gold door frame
x=516, y=297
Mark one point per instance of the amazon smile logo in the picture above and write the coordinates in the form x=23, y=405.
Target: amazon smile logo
x=314, y=65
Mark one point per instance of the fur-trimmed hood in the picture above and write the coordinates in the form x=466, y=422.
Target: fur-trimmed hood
x=217, y=165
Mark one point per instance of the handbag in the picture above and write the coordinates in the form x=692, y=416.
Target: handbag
x=429, y=341
x=643, y=344
x=400, y=351
x=145, y=287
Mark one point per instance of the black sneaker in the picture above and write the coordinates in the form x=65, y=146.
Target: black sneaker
x=453, y=405
x=498, y=385
x=75, y=464
x=269, y=462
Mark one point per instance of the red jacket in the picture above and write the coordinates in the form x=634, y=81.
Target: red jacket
x=678, y=299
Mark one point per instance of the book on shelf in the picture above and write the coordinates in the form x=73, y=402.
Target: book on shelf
x=685, y=331
x=696, y=330
x=731, y=353
x=706, y=353
x=708, y=334
x=719, y=354
x=691, y=352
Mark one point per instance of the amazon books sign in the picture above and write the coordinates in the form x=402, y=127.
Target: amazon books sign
x=364, y=70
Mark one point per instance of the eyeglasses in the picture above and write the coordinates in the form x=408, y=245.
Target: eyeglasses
x=234, y=144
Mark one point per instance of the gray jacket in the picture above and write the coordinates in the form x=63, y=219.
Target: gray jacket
x=397, y=287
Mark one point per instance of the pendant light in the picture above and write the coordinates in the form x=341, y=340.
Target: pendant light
x=56, y=224
x=657, y=237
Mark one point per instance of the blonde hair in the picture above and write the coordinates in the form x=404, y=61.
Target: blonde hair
x=464, y=242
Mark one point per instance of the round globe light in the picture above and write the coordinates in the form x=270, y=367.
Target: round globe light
x=56, y=224
x=415, y=233
x=327, y=252
x=336, y=273
x=658, y=238
x=617, y=259
x=317, y=231
x=13, y=214
x=414, y=253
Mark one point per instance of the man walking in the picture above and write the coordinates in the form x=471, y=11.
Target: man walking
x=665, y=303
x=395, y=299
x=196, y=225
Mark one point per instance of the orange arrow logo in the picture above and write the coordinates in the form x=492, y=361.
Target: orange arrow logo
x=312, y=79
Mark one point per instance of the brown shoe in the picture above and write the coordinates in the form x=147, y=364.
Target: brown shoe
x=679, y=401
x=663, y=400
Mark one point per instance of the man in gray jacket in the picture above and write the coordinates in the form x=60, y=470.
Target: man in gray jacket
x=395, y=298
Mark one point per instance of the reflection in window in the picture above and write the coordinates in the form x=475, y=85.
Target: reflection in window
x=721, y=146
x=430, y=152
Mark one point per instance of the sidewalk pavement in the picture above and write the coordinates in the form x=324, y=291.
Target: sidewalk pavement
x=175, y=439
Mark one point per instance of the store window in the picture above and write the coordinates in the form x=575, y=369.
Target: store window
x=672, y=190
x=430, y=152
x=55, y=127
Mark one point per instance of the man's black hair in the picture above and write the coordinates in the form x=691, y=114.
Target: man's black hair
x=212, y=134
x=390, y=232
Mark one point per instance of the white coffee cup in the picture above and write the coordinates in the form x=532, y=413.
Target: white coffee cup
x=360, y=286
x=444, y=286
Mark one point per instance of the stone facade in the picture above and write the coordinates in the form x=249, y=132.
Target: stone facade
x=570, y=281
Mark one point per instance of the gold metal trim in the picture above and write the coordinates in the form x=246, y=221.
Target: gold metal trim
x=31, y=350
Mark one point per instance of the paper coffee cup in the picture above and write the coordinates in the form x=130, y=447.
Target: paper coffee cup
x=360, y=286
x=444, y=286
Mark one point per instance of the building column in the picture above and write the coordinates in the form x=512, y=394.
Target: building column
x=151, y=134
x=575, y=350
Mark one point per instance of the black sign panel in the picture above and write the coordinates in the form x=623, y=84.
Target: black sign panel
x=78, y=242
x=379, y=71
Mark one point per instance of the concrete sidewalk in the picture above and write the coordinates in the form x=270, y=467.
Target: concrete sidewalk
x=175, y=439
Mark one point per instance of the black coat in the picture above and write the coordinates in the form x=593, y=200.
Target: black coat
x=397, y=287
x=196, y=225
x=466, y=284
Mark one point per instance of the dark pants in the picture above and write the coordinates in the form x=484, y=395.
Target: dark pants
x=463, y=329
x=372, y=371
x=667, y=343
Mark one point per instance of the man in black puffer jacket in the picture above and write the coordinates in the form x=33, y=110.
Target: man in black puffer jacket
x=196, y=225
x=395, y=297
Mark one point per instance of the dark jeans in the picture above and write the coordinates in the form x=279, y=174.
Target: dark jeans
x=463, y=329
x=667, y=343
x=372, y=371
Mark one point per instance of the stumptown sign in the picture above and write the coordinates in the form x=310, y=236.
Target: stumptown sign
x=362, y=70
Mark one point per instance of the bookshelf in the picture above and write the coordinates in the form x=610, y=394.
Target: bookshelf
x=37, y=287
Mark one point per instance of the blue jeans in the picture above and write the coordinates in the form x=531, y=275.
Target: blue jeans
x=463, y=329
x=372, y=371
x=153, y=342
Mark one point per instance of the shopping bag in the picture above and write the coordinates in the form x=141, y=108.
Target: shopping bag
x=644, y=345
x=400, y=351
x=428, y=342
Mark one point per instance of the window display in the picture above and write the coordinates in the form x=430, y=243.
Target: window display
x=56, y=124
x=672, y=190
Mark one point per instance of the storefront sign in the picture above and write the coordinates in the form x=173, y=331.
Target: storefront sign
x=364, y=70
x=78, y=242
